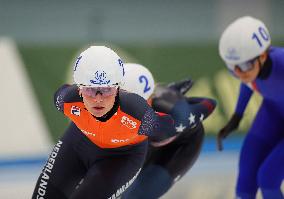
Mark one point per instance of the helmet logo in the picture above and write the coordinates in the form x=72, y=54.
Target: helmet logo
x=100, y=78
x=121, y=64
x=77, y=62
x=232, y=54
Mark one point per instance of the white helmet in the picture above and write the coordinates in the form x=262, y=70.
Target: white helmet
x=138, y=79
x=243, y=40
x=98, y=66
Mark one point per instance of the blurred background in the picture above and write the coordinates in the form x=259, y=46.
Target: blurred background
x=39, y=41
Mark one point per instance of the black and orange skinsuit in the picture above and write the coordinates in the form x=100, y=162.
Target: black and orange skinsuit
x=101, y=157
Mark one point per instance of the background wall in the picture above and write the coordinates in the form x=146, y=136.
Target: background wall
x=131, y=22
x=174, y=39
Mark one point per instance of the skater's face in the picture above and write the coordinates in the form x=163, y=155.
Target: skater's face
x=99, y=100
x=249, y=71
x=250, y=74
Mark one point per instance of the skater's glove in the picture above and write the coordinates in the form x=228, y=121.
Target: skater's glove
x=228, y=129
x=172, y=102
x=182, y=86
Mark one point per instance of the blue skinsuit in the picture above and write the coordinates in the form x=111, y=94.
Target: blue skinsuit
x=261, y=162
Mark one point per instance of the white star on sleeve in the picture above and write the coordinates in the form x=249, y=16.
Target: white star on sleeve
x=191, y=118
x=201, y=117
x=180, y=128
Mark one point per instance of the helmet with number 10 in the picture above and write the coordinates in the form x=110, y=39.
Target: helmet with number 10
x=242, y=41
x=139, y=80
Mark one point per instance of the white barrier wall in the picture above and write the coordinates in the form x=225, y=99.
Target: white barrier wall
x=23, y=132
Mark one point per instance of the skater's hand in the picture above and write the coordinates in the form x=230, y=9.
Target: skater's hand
x=228, y=129
x=165, y=98
x=182, y=86
x=172, y=102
